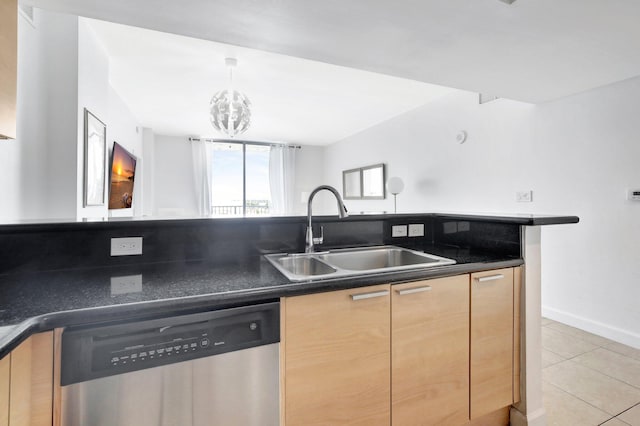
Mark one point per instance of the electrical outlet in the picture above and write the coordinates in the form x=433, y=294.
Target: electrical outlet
x=633, y=194
x=450, y=227
x=126, y=284
x=524, y=196
x=130, y=246
x=416, y=230
x=399, y=231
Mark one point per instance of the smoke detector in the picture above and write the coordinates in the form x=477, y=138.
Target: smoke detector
x=507, y=1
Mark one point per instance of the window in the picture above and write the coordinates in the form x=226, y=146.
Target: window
x=240, y=179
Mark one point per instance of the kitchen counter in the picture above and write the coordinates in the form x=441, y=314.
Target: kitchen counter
x=62, y=274
x=34, y=302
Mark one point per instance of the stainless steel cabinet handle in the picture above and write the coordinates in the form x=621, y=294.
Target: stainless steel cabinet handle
x=370, y=295
x=413, y=290
x=490, y=278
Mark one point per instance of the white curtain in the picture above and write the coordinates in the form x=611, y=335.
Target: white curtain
x=202, y=154
x=282, y=179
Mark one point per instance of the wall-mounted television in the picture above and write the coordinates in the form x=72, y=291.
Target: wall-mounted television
x=123, y=173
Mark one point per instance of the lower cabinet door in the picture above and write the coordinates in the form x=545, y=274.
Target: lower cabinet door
x=31, y=387
x=430, y=352
x=5, y=371
x=492, y=335
x=335, y=358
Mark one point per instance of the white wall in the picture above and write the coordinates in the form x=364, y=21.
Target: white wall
x=62, y=69
x=148, y=178
x=96, y=94
x=93, y=94
x=173, y=183
x=309, y=175
x=577, y=155
x=39, y=167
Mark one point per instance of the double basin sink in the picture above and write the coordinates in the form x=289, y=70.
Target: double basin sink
x=348, y=262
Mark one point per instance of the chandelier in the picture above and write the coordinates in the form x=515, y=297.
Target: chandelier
x=229, y=110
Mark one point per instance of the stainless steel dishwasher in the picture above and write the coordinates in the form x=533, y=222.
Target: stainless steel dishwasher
x=211, y=368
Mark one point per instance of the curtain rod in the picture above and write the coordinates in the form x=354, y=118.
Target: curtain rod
x=242, y=142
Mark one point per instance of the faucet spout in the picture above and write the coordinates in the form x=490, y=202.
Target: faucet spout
x=342, y=213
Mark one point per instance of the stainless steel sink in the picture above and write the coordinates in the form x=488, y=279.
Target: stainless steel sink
x=357, y=261
x=305, y=266
x=377, y=258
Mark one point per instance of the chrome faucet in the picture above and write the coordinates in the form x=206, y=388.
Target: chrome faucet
x=342, y=213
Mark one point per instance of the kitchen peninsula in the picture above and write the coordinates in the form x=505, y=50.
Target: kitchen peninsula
x=59, y=276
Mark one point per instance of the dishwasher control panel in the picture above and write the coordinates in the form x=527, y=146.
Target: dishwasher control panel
x=94, y=352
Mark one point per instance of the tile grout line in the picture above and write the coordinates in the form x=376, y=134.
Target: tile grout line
x=582, y=339
x=586, y=402
x=607, y=420
x=602, y=372
x=597, y=346
x=622, y=412
x=613, y=378
x=620, y=353
x=589, y=351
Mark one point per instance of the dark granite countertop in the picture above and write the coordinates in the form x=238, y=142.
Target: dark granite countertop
x=517, y=219
x=33, y=302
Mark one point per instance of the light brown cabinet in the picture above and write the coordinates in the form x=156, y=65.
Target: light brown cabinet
x=430, y=352
x=448, y=346
x=8, y=67
x=335, y=357
x=26, y=383
x=5, y=380
x=492, y=341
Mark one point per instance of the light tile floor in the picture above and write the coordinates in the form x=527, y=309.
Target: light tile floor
x=587, y=379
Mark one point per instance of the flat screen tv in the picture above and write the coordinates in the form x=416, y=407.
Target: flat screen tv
x=123, y=173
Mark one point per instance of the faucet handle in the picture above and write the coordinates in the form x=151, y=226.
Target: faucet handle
x=320, y=239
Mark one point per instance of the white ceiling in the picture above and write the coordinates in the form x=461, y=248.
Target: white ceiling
x=168, y=80
x=533, y=50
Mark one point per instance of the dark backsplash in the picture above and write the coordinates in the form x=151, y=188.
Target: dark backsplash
x=228, y=241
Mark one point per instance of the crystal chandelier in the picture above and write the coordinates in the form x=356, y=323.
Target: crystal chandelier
x=230, y=111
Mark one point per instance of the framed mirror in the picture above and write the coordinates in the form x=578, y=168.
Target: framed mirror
x=373, y=182
x=364, y=183
x=352, y=184
x=95, y=151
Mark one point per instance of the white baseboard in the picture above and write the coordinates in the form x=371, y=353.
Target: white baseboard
x=616, y=334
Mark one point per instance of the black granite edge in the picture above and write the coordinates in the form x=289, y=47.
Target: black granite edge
x=531, y=220
x=190, y=304
x=154, y=222
x=527, y=220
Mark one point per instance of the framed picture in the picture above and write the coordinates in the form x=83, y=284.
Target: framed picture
x=123, y=175
x=95, y=159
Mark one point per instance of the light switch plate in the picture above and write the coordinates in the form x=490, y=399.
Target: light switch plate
x=399, y=231
x=416, y=230
x=129, y=246
x=524, y=196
